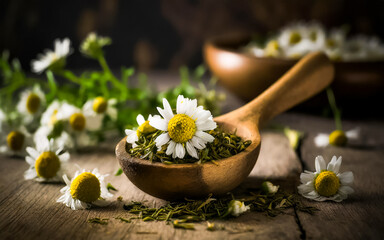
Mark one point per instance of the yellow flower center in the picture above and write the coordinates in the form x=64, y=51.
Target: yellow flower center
x=15, y=140
x=313, y=36
x=86, y=187
x=294, y=38
x=181, y=128
x=47, y=165
x=33, y=103
x=99, y=105
x=145, y=128
x=272, y=48
x=338, y=138
x=77, y=121
x=327, y=183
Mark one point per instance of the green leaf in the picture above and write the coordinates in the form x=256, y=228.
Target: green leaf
x=119, y=172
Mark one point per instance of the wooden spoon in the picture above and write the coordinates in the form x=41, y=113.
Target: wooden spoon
x=308, y=77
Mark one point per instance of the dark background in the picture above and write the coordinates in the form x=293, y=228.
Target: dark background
x=164, y=34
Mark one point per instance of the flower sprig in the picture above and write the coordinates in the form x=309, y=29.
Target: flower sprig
x=81, y=109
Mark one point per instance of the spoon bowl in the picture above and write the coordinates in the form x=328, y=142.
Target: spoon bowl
x=177, y=181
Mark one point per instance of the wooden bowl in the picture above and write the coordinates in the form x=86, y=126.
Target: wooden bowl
x=247, y=76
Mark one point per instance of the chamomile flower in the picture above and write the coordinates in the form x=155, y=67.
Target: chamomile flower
x=336, y=138
x=93, y=44
x=31, y=104
x=144, y=128
x=326, y=183
x=53, y=59
x=77, y=123
x=46, y=162
x=101, y=106
x=334, y=44
x=360, y=48
x=13, y=141
x=85, y=190
x=298, y=39
x=50, y=127
x=235, y=208
x=185, y=130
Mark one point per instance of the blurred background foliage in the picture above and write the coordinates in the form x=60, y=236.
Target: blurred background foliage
x=165, y=34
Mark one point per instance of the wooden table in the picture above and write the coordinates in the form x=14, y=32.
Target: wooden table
x=28, y=210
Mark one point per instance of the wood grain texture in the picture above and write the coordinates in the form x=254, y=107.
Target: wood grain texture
x=28, y=209
x=359, y=216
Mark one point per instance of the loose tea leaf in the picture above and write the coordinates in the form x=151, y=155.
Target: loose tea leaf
x=110, y=187
x=225, y=145
x=212, y=208
x=102, y=221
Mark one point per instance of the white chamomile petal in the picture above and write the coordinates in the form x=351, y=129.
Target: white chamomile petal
x=334, y=164
x=162, y=139
x=191, y=150
x=346, y=178
x=171, y=148
x=140, y=119
x=307, y=177
x=326, y=183
x=353, y=133
x=321, y=140
x=159, y=123
x=180, y=151
x=320, y=164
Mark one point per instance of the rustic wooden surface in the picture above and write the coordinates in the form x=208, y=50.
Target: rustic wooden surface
x=28, y=210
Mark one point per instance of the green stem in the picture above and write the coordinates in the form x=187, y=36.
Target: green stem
x=335, y=110
x=68, y=75
x=113, y=79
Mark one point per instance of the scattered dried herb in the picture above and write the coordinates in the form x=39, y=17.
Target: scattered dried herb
x=225, y=145
x=110, y=187
x=188, y=211
x=123, y=219
x=120, y=198
x=102, y=221
x=183, y=224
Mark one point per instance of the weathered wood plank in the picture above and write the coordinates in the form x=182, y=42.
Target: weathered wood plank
x=29, y=210
x=359, y=216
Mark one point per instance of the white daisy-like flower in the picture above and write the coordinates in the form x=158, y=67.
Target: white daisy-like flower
x=31, y=104
x=52, y=59
x=61, y=137
x=85, y=190
x=298, y=39
x=235, y=208
x=13, y=141
x=334, y=44
x=363, y=48
x=77, y=123
x=186, y=129
x=144, y=128
x=101, y=106
x=336, y=138
x=46, y=162
x=50, y=127
x=326, y=183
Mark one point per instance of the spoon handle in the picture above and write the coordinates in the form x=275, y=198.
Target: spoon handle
x=309, y=76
